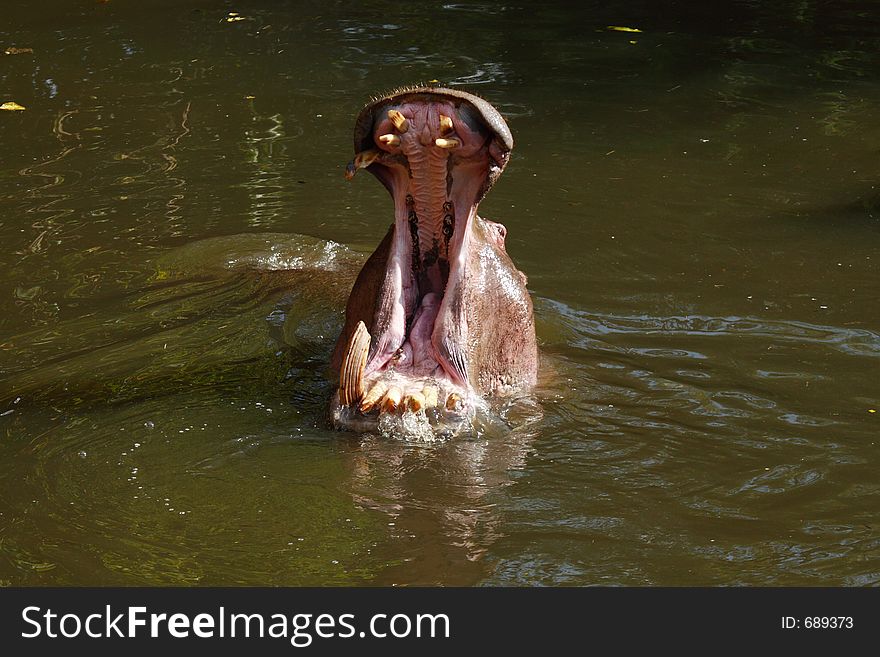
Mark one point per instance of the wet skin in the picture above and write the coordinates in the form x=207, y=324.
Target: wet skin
x=439, y=317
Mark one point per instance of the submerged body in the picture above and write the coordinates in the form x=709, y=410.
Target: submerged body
x=439, y=317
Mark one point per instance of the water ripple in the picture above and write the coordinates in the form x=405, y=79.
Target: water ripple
x=859, y=342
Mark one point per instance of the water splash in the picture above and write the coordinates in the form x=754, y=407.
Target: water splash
x=411, y=426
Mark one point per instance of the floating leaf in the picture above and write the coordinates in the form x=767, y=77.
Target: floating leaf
x=11, y=106
x=619, y=28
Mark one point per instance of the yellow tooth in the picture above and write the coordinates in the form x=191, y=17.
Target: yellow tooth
x=392, y=399
x=431, y=394
x=415, y=401
x=453, y=402
x=390, y=140
x=447, y=143
x=373, y=397
x=361, y=161
x=399, y=120
x=351, y=375
x=445, y=124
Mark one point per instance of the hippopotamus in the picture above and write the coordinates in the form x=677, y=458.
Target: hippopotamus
x=439, y=318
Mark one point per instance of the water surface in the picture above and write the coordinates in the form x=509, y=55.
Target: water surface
x=695, y=205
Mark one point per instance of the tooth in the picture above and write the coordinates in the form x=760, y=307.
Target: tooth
x=416, y=401
x=390, y=140
x=445, y=124
x=361, y=161
x=399, y=120
x=351, y=376
x=431, y=394
x=392, y=399
x=447, y=143
x=453, y=402
x=373, y=397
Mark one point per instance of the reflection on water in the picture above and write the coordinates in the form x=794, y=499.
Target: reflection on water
x=695, y=206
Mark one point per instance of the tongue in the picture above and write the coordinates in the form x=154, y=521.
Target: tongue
x=424, y=360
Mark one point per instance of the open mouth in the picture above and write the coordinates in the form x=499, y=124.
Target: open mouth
x=406, y=342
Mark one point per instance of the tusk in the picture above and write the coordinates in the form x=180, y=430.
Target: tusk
x=445, y=124
x=390, y=140
x=373, y=397
x=351, y=376
x=392, y=399
x=416, y=402
x=447, y=143
x=361, y=161
x=399, y=120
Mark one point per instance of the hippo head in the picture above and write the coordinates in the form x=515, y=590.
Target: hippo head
x=439, y=318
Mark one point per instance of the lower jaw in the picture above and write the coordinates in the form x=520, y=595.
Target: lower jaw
x=412, y=381
x=392, y=397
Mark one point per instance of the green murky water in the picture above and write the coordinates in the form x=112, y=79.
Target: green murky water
x=695, y=206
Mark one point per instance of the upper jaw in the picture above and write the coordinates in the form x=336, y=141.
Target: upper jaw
x=469, y=113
